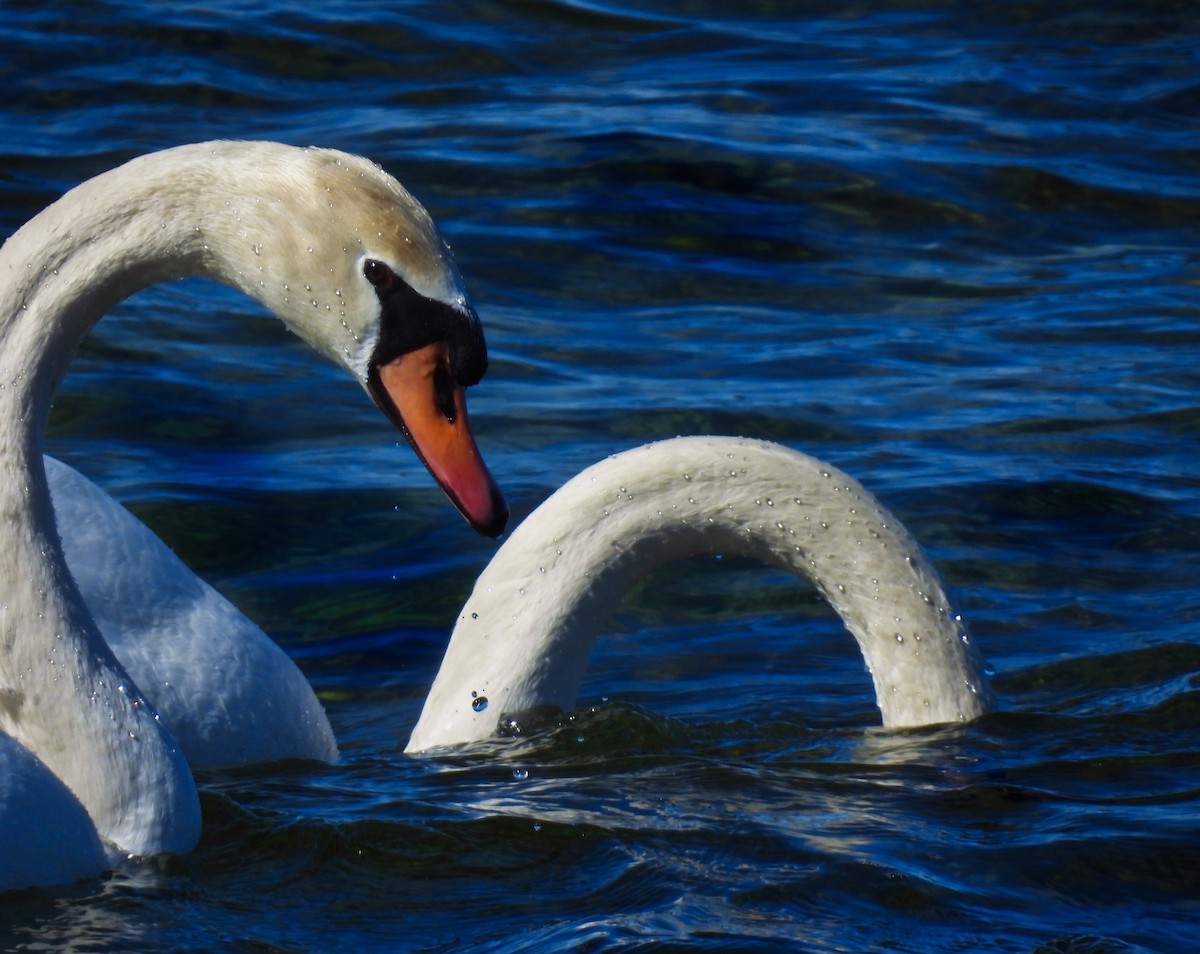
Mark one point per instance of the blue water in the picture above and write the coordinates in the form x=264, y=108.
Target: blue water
x=950, y=247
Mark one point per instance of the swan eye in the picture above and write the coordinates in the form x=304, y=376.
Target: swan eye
x=380, y=276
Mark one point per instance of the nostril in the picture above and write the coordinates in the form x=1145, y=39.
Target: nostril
x=443, y=390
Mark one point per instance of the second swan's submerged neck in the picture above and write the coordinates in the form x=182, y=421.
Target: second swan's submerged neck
x=526, y=632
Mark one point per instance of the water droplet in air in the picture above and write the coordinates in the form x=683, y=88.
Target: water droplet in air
x=478, y=702
x=520, y=774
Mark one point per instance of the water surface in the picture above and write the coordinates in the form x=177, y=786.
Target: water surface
x=951, y=248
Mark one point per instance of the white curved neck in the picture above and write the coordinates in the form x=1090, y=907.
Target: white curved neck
x=62, y=693
x=526, y=632
x=180, y=212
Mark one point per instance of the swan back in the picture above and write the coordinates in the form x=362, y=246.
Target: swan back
x=228, y=693
x=524, y=636
x=53, y=840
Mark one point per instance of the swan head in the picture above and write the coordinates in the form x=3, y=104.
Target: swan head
x=353, y=264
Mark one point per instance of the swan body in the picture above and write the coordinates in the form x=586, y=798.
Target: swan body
x=352, y=264
x=41, y=855
x=227, y=692
x=524, y=636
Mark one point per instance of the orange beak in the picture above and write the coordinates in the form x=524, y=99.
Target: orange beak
x=432, y=411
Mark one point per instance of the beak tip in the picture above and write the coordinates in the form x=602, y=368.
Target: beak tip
x=495, y=522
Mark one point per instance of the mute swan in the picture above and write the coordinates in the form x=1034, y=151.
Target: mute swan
x=524, y=636
x=352, y=264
